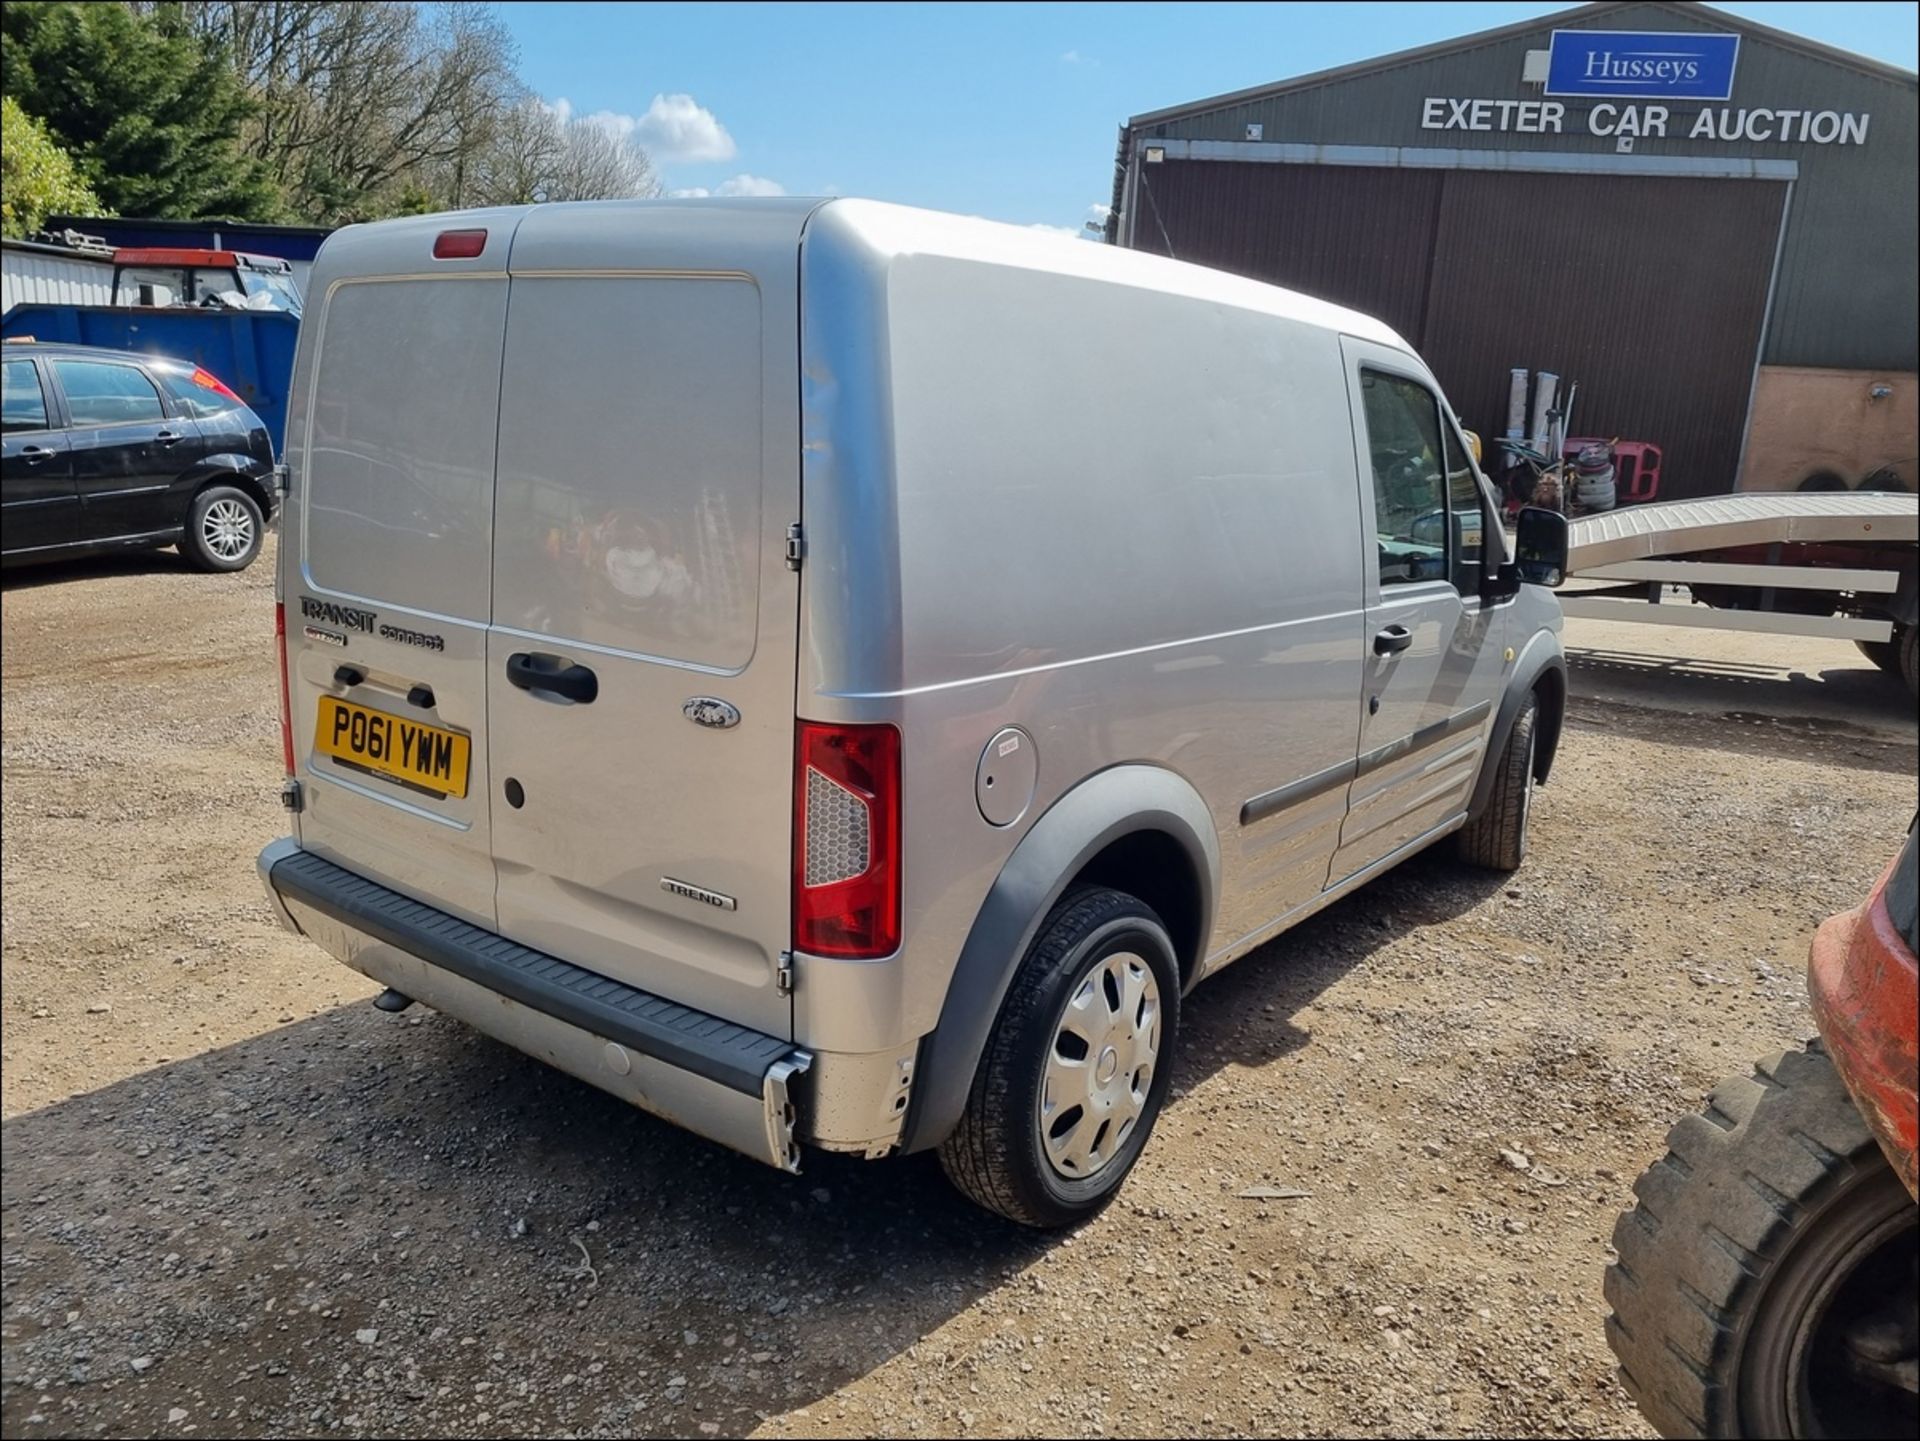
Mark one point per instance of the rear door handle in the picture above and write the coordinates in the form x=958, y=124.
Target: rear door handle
x=554, y=674
x=34, y=454
x=1392, y=640
x=169, y=437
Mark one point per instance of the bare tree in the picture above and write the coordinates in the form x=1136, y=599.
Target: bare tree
x=360, y=101
x=536, y=154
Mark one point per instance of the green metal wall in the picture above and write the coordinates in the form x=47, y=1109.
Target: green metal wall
x=1847, y=294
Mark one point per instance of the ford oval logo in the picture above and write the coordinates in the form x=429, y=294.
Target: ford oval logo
x=710, y=711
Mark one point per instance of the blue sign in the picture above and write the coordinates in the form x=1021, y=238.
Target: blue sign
x=1642, y=64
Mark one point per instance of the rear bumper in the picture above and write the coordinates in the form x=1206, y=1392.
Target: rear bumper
x=1865, y=986
x=713, y=1078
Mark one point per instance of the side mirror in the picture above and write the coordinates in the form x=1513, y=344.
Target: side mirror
x=1540, y=546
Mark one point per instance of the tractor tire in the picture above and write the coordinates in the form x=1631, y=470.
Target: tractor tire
x=1765, y=1284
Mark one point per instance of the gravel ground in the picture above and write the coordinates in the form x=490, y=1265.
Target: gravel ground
x=239, y=1201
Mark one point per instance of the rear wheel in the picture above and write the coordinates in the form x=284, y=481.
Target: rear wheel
x=1886, y=478
x=1766, y=1278
x=1898, y=656
x=224, y=529
x=1077, y=1067
x=1497, y=837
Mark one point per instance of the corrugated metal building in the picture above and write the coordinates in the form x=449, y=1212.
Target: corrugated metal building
x=52, y=275
x=1731, y=276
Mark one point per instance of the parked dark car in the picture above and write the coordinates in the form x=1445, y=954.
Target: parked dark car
x=104, y=450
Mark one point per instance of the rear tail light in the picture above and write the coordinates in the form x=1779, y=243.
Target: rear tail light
x=459, y=244
x=846, y=840
x=286, y=709
x=207, y=380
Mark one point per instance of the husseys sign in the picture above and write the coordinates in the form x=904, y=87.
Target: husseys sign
x=1636, y=64
x=1648, y=70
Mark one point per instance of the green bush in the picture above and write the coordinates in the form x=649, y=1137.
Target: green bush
x=37, y=177
x=150, y=113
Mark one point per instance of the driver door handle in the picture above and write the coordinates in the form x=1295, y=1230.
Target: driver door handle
x=1392, y=640
x=34, y=454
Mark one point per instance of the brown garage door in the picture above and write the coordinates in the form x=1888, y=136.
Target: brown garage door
x=1649, y=292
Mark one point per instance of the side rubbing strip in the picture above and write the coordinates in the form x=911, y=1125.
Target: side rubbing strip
x=1273, y=802
x=1424, y=737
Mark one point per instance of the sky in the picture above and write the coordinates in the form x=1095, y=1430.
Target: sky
x=1010, y=111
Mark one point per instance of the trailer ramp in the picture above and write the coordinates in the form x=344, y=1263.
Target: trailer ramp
x=1849, y=574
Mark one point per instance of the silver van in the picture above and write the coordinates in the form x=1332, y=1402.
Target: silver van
x=838, y=675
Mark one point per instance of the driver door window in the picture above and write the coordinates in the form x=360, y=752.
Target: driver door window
x=1409, y=478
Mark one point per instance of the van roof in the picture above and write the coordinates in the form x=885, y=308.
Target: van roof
x=902, y=230
x=886, y=231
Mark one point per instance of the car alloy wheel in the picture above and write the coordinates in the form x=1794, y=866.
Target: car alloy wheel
x=227, y=529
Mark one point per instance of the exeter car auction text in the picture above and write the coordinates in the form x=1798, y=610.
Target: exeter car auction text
x=1548, y=117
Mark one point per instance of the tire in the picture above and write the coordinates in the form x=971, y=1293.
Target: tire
x=1003, y=1155
x=1497, y=837
x=1771, y=1232
x=1907, y=638
x=224, y=529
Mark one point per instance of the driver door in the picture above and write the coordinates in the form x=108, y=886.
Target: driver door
x=1435, y=658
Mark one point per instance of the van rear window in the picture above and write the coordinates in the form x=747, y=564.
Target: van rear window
x=631, y=465
x=398, y=443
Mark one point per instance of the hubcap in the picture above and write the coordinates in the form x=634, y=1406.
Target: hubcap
x=1100, y=1065
x=227, y=528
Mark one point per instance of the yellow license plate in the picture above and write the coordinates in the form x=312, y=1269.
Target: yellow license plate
x=421, y=757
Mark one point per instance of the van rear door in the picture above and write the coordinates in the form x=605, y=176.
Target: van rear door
x=642, y=654
x=385, y=556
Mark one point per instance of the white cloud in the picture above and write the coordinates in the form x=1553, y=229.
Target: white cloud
x=750, y=185
x=739, y=185
x=611, y=121
x=1093, y=228
x=675, y=128
x=1074, y=57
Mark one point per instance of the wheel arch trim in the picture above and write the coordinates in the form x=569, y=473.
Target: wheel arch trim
x=1104, y=808
x=1541, y=660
